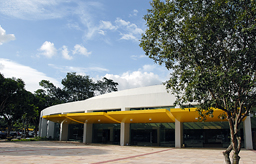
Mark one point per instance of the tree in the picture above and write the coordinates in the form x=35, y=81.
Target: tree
x=106, y=85
x=41, y=101
x=56, y=94
x=210, y=48
x=30, y=115
x=78, y=87
x=12, y=93
x=75, y=88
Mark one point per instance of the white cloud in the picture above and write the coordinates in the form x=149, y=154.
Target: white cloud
x=33, y=9
x=65, y=53
x=48, y=49
x=107, y=25
x=135, y=57
x=30, y=76
x=74, y=26
x=85, y=12
x=146, y=76
x=130, y=31
x=101, y=32
x=78, y=49
x=134, y=13
x=135, y=79
x=129, y=37
x=134, y=29
x=122, y=22
x=149, y=68
x=5, y=37
x=79, y=70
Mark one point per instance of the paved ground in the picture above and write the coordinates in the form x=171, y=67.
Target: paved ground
x=63, y=152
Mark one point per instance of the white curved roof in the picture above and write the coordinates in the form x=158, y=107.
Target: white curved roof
x=152, y=96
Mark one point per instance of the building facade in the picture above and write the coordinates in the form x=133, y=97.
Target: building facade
x=142, y=116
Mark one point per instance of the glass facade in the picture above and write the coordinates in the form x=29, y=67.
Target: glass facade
x=106, y=133
x=253, y=121
x=75, y=132
x=56, y=131
x=196, y=134
x=152, y=108
x=208, y=134
x=152, y=134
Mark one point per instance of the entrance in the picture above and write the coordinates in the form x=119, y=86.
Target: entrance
x=254, y=138
x=144, y=137
x=106, y=133
x=75, y=132
x=208, y=134
x=152, y=134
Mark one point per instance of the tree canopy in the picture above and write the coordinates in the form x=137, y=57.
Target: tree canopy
x=77, y=87
x=12, y=93
x=209, y=47
x=22, y=108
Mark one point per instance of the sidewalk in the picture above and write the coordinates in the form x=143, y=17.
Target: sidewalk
x=68, y=152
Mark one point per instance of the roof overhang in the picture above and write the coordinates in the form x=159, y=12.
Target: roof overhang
x=135, y=116
x=143, y=116
x=191, y=115
x=72, y=118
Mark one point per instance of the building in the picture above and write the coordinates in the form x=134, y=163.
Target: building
x=140, y=116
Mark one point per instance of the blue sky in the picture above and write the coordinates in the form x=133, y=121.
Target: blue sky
x=43, y=40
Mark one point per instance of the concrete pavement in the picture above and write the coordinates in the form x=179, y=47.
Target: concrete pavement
x=54, y=152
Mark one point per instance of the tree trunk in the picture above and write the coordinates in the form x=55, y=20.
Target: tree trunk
x=226, y=154
x=236, y=158
x=9, y=129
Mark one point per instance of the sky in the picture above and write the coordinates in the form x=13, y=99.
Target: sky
x=44, y=40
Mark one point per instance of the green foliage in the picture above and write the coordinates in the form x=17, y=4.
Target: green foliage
x=11, y=100
x=210, y=49
x=78, y=87
x=21, y=109
x=106, y=86
x=29, y=139
x=75, y=88
x=54, y=94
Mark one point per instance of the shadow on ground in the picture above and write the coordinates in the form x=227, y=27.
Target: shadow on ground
x=45, y=148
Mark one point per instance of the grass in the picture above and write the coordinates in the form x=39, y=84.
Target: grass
x=29, y=139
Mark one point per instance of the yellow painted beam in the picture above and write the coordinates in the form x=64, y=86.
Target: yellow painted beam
x=191, y=115
x=135, y=116
x=56, y=117
x=94, y=117
x=143, y=116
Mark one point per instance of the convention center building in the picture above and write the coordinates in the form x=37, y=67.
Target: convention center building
x=142, y=116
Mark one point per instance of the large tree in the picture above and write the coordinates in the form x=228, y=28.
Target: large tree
x=78, y=87
x=106, y=85
x=56, y=94
x=11, y=100
x=209, y=46
x=75, y=88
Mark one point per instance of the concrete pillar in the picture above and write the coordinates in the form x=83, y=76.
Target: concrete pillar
x=43, y=128
x=248, y=133
x=178, y=134
x=50, y=129
x=63, y=131
x=125, y=134
x=124, y=131
x=39, y=127
x=87, y=137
